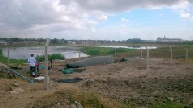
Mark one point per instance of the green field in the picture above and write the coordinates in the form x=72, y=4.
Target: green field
x=40, y=58
x=94, y=51
x=4, y=59
x=178, y=52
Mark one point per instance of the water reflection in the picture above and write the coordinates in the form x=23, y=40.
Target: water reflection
x=24, y=52
x=68, y=51
x=134, y=47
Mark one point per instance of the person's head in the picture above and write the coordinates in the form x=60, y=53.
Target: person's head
x=32, y=55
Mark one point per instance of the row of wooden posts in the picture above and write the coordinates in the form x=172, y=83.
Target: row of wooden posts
x=171, y=55
x=46, y=77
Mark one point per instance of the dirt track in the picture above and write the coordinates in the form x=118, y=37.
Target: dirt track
x=128, y=82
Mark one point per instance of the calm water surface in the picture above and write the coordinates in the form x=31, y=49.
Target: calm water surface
x=67, y=51
x=24, y=52
x=139, y=47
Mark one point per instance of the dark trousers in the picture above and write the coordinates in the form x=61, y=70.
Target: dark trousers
x=32, y=69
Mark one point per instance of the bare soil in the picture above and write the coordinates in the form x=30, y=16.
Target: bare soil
x=129, y=82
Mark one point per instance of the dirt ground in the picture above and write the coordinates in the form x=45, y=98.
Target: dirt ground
x=129, y=82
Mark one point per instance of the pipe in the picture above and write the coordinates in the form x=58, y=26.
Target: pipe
x=18, y=74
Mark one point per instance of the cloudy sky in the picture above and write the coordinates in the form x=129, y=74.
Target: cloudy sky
x=97, y=19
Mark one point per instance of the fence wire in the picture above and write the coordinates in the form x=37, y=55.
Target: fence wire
x=177, y=52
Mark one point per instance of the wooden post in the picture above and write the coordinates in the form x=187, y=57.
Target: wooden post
x=147, y=59
x=8, y=65
x=42, y=51
x=171, y=54
x=115, y=53
x=46, y=65
x=79, y=52
x=186, y=54
x=141, y=53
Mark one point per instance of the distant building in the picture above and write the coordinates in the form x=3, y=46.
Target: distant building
x=29, y=43
x=159, y=39
x=71, y=42
x=3, y=43
x=135, y=40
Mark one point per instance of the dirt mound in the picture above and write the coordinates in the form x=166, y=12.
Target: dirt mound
x=129, y=82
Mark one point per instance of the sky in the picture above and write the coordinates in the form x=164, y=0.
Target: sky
x=97, y=19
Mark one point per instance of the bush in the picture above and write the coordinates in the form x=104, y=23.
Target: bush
x=41, y=58
x=15, y=61
x=94, y=51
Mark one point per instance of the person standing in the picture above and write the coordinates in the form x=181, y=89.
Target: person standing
x=32, y=62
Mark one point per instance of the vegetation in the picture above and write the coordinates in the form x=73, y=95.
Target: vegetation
x=94, y=51
x=85, y=98
x=89, y=99
x=2, y=75
x=178, y=52
x=168, y=105
x=4, y=59
x=40, y=58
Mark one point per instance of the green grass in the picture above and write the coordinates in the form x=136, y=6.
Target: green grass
x=40, y=58
x=85, y=98
x=2, y=75
x=88, y=100
x=4, y=59
x=94, y=51
x=168, y=105
x=179, y=52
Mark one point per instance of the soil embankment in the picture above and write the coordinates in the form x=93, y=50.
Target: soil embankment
x=129, y=82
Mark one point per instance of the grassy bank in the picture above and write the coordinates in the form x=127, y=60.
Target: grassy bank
x=4, y=59
x=178, y=52
x=86, y=99
x=94, y=51
x=89, y=99
x=169, y=105
x=40, y=58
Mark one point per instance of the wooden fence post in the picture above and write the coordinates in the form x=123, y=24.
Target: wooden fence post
x=171, y=54
x=147, y=59
x=79, y=52
x=8, y=64
x=186, y=54
x=46, y=65
x=115, y=53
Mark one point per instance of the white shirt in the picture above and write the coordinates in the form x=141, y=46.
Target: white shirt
x=31, y=61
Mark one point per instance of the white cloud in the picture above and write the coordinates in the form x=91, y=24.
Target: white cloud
x=124, y=20
x=182, y=8
x=185, y=14
x=99, y=15
x=61, y=17
x=181, y=4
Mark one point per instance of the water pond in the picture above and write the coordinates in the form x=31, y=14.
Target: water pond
x=132, y=47
x=24, y=52
x=68, y=51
